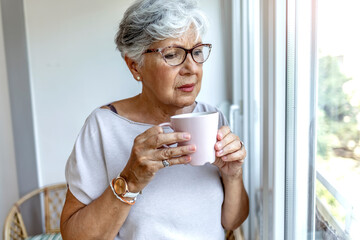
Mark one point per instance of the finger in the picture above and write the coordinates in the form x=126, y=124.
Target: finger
x=159, y=140
x=231, y=148
x=235, y=156
x=172, y=152
x=229, y=138
x=153, y=131
x=222, y=132
x=177, y=160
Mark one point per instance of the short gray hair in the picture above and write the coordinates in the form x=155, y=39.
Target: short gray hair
x=149, y=21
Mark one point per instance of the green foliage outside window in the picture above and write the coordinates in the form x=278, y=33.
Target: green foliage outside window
x=337, y=125
x=338, y=121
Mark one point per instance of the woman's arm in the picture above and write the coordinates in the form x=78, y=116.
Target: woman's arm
x=235, y=208
x=103, y=217
x=230, y=154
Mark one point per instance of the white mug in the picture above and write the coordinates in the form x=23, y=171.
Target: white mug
x=203, y=128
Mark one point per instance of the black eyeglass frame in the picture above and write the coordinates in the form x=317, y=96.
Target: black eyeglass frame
x=161, y=51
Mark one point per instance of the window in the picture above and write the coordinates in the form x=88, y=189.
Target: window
x=301, y=118
x=338, y=118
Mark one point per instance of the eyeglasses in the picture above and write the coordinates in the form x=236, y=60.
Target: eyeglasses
x=175, y=56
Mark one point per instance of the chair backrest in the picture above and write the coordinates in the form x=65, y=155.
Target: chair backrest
x=53, y=198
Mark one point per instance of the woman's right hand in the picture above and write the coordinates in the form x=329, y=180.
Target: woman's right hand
x=148, y=153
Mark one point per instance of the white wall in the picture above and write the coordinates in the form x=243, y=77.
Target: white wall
x=8, y=179
x=217, y=72
x=74, y=68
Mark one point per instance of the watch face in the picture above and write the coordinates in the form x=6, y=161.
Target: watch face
x=120, y=186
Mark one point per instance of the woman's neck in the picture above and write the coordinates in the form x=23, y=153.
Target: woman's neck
x=141, y=109
x=159, y=112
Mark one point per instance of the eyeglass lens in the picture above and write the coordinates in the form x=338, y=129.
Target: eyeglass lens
x=175, y=56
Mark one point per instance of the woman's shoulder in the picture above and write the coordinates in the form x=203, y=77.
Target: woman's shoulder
x=92, y=121
x=205, y=107
x=98, y=114
x=119, y=107
x=98, y=117
x=119, y=113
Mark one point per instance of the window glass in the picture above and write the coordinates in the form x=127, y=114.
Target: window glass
x=338, y=119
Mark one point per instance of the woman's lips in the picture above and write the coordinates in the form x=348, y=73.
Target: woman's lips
x=187, y=87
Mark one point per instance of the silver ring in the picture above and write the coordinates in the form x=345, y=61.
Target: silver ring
x=242, y=144
x=165, y=163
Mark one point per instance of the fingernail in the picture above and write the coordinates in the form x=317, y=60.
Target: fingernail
x=224, y=158
x=186, y=136
x=192, y=148
x=188, y=158
x=219, y=145
x=219, y=153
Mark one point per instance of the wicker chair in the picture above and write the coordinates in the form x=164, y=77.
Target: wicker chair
x=53, y=198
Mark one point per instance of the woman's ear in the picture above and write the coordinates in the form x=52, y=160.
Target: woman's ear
x=133, y=67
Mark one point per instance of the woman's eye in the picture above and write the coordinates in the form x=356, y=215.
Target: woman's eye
x=171, y=55
x=198, y=52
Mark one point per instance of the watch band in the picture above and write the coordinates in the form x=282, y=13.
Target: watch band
x=131, y=195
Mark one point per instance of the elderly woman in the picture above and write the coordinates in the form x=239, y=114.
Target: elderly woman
x=121, y=143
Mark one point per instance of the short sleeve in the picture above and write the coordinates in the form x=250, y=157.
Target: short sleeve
x=85, y=170
x=203, y=107
x=222, y=119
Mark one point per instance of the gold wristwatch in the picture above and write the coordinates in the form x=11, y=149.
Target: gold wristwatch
x=121, y=189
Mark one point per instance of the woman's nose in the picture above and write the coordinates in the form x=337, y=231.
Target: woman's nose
x=190, y=64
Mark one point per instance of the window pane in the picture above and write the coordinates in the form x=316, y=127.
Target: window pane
x=338, y=119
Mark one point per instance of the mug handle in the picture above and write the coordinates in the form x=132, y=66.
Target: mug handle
x=166, y=124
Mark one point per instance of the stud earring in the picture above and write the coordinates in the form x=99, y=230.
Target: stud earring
x=138, y=78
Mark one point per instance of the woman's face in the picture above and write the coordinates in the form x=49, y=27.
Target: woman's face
x=173, y=86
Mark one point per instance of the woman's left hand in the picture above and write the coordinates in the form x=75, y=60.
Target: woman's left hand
x=230, y=153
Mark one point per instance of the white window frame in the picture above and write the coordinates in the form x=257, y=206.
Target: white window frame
x=276, y=54
x=301, y=105
x=260, y=62
x=273, y=115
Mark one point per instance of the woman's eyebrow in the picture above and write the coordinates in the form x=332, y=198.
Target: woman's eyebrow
x=178, y=45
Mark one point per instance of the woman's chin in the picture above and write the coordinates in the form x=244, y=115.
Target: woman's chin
x=187, y=99
x=186, y=102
